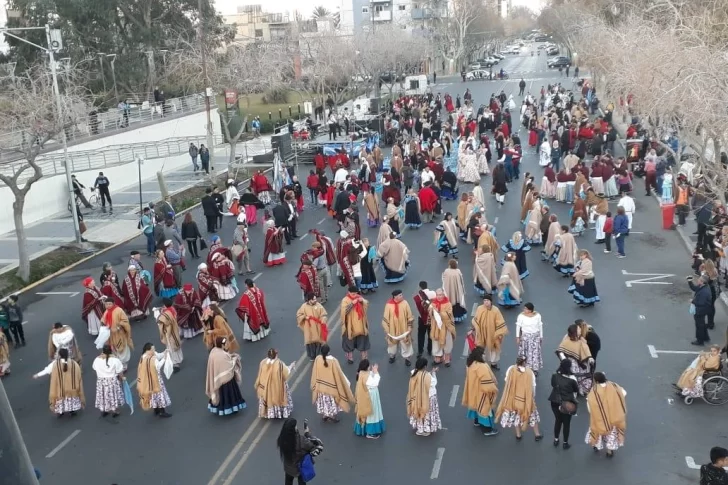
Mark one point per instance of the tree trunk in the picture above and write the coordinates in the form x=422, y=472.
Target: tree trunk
x=23, y=256
x=231, y=159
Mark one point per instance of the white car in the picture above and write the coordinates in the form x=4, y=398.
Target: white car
x=499, y=56
x=492, y=60
x=477, y=74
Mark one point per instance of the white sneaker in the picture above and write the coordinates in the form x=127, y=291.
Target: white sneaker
x=607, y=251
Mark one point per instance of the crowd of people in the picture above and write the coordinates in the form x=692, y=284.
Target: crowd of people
x=439, y=147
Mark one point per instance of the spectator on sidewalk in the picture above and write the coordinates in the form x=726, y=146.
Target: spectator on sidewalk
x=172, y=234
x=714, y=472
x=210, y=210
x=15, y=320
x=165, y=211
x=158, y=233
x=205, y=158
x=102, y=184
x=256, y=126
x=193, y=155
x=682, y=200
x=147, y=224
x=78, y=191
x=701, y=307
x=650, y=175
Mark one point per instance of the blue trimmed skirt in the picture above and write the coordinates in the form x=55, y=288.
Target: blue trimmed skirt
x=586, y=294
x=486, y=421
x=392, y=277
x=230, y=402
x=374, y=424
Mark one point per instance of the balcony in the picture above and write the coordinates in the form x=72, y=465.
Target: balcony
x=277, y=18
x=426, y=13
x=379, y=1
x=382, y=16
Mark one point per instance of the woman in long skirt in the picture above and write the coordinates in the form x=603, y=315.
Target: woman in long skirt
x=393, y=216
x=575, y=348
x=529, y=337
x=368, y=282
x=369, y=416
x=66, y=389
x=446, y=236
x=412, y=217
x=509, y=286
x=271, y=385
x=330, y=388
x=251, y=203
x=565, y=251
x=150, y=383
x=517, y=408
x=222, y=385
x=607, y=415
x=4, y=355
x=109, y=374
x=480, y=392
x=518, y=247
x=583, y=285
x=423, y=408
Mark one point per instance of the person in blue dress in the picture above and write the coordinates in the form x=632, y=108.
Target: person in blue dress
x=412, y=217
x=480, y=392
x=518, y=246
x=369, y=417
x=446, y=236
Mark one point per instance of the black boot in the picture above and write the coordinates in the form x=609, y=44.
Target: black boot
x=164, y=414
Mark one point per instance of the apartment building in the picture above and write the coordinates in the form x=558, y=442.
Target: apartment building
x=252, y=24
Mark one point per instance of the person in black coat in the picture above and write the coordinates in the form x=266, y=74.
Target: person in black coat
x=211, y=210
x=283, y=216
x=342, y=203
x=703, y=306
x=592, y=339
x=220, y=202
x=564, y=390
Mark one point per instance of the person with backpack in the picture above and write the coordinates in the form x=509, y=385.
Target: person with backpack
x=297, y=452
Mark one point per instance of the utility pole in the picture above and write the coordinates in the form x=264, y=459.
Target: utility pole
x=15, y=464
x=208, y=91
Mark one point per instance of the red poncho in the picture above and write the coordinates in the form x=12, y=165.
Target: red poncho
x=251, y=309
x=428, y=199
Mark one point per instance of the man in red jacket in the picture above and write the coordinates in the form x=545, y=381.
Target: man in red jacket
x=428, y=202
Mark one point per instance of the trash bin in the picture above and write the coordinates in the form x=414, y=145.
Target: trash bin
x=668, y=216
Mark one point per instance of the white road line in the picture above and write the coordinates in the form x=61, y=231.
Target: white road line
x=438, y=463
x=454, y=395
x=133, y=383
x=642, y=317
x=303, y=237
x=495, y=221
x=39, y=239
x=466, y=349
x=653, y=351
x=136, y=192
x=321, y=221
x=257, y=276
x=679, y=352
x=691, y=463
x=63, y=443
x=70, y=294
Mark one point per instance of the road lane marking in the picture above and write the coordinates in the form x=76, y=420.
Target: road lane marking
x=654, y=353
x=63, y=443
x=257, y=276
x=495, y=221
x=642, y=317
x=70, y=294
x=217, y=477
x=646, y=281
x=321, y=221
x=691, y=463
x=454, y=395
x=25, y=322
x=438, y=463
x=303, y=237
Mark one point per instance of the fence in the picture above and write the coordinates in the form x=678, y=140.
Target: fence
x=96, y=124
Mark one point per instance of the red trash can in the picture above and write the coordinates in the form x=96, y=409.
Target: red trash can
x=668, y=216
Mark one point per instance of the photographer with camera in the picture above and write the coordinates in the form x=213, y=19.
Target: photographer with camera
x=297, y=451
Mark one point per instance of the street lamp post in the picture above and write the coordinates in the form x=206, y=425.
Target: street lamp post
x=54, y=44
x=140, y=161
x=101, y=63
x=113, y=75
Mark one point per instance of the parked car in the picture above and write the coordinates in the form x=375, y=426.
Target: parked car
x=498, y=56
x=560, y=61
x=552, y=51
x=477, y=74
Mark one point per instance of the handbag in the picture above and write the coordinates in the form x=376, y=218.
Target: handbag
x=81, y=227
x=306, y=469
x=691, y=310
x=203, y=244
x=568, y=407
x=342, y=280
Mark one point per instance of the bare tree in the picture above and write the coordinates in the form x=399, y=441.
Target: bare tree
x=27, y=107
x=329, y=64
x=453, y=32
x=246, y=69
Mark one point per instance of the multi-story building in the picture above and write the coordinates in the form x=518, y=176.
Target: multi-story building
x=254, y=25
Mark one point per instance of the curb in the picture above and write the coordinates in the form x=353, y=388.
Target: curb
x=99, y=253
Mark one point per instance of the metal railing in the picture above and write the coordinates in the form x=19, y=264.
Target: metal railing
x=105, y=123
x=113, y=155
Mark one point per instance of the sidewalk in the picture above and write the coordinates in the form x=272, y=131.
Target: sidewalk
x=49, y=234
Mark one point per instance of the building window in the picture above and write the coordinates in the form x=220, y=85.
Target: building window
x=378, y=8
x=402, y=7
x=365, y=10
x=259, y=32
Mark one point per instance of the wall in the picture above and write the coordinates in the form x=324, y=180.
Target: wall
x=190, y=125
x=49, y=196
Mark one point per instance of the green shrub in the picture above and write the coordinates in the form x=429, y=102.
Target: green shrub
x=275, y=96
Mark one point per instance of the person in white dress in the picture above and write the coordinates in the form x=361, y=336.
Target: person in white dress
x=529, y=337
x=109, y=376
x=468, y=163
x=545, y=153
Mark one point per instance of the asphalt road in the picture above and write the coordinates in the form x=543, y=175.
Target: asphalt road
x=195, y=447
